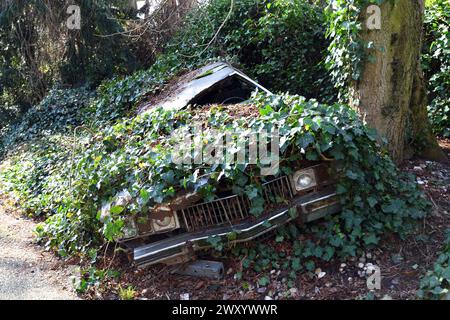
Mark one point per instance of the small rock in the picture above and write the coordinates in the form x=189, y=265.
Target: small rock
x=369, y=255
x=415, y=266
x=225, y=297
x=268, y=298
x=262, y=290
x=343, y=265
x=320, y=274
x=360, y=265
x=386, y=297
x=184, y=296
x=417, y=168
x=144, y=291
x=293, y=291
x=362, y=259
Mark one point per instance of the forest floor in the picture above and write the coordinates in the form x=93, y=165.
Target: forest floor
x=27, y=272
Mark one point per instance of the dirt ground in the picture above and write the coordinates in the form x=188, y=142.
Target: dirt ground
x=26, y=271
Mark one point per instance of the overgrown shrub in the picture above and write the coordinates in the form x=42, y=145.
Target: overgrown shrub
x=59, y=112
x=436, y=283
x=38, y=50
x=119, y=97
x=135, y=156
x=436, y=64
x=69, y=178
x=279, y=42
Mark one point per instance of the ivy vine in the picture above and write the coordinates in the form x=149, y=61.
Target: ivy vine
x=347, y=52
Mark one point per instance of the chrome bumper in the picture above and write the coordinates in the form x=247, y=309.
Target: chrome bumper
x=309, y=208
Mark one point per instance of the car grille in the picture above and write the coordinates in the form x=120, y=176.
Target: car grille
x=278, y=190
x=233, y=209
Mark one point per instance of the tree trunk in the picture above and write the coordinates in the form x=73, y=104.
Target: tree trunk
x=391, y=94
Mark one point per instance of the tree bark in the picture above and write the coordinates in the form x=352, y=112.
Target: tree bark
x=390, y=95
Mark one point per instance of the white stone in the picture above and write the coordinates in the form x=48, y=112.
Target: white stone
x=184, y=296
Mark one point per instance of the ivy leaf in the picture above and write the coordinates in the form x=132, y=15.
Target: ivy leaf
x=263, y=281
x=145, y=196
x=251, y=192
x=372, y=201
x=116, y=210
x=371, y=239
x=310, y=265
x=446, y=273
x=394, y=206
x=305, y=140
x=312, y=155
x=296, y=266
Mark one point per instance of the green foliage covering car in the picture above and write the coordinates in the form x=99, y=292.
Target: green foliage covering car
x=170, y=231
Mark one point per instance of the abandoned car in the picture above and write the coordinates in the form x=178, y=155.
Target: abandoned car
x=185, y=225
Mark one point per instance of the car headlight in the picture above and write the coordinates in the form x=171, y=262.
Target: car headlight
x=143, y=226
x=304, y=179
x=169, y=222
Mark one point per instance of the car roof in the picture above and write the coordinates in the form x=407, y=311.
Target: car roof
x=197, y=82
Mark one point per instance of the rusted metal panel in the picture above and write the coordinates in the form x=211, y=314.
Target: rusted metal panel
x=232, y=209
x=207, y=78
x=202, y=268
x=242, y=232
x=223, y=211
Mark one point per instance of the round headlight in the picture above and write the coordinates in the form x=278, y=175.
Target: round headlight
x=304, y=180
x=164, y=222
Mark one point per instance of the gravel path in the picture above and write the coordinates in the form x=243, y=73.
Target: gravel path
x=26, y=271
